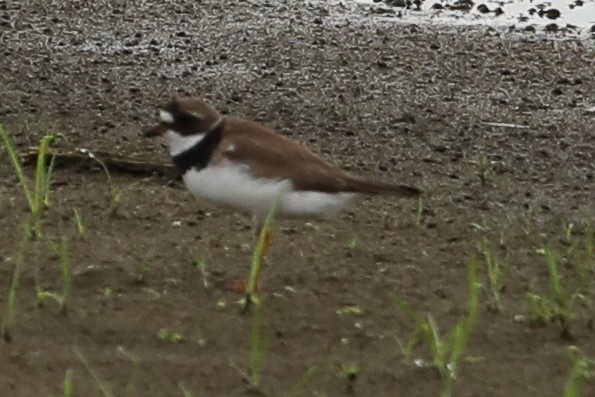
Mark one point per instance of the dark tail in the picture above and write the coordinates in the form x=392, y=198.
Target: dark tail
x=361, y=186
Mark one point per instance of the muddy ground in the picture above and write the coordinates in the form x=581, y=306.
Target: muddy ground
x=404, y=103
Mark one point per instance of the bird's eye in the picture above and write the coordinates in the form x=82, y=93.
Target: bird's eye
x=186, y=118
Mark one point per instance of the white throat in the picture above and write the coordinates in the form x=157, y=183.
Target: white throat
x=179, y=143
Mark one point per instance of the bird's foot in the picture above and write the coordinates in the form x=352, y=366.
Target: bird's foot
x=241, y=286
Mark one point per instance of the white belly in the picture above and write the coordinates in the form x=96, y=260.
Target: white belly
x=236, y=187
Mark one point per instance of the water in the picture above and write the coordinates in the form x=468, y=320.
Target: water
x=574, y=14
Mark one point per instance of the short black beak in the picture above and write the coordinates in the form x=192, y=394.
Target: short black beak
x=157, y=130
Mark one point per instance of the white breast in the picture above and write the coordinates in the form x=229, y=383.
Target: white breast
x=179, y=143
x=233, y=185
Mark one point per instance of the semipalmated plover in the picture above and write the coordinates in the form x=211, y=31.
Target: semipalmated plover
x=244, y=165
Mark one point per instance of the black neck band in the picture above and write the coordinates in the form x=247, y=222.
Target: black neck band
x=199, y=155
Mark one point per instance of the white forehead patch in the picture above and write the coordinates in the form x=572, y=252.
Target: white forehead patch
x=166, y=116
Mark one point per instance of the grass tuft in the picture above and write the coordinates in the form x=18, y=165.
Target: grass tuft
x=37, y=193
x=496, y=271
x=484, y=169
x=583, y=370
x=447, y=351
x=16, y=163
x=349, y=372
x=559, y=305
x=63, y=297
x=170, y=336
x=350, y=310
x=143, y=272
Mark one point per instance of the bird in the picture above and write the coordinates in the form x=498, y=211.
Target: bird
x=247, y=166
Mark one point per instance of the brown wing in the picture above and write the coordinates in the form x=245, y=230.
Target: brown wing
x=270, y=155
x=274, y=156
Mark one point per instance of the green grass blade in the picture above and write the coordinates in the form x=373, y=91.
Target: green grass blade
x=474, y=290
x=185, y=391
x=300, y=387
x=11, y=302
x=101, y=164
x=40, y=174
x=419, y=331
x=258, y=348
x=419, y=217
x=258, y=252
x=68, y=383
x=66, y=271
x=42, y=179
x=16, y=163
x=81, y=227
x=436, y=343
x=495, y=277
x=105, y=389
x=555, y=278
x=588, y=262
x=131, y=389
x=406, y=307
x=458, y=343
x=462, y=331
x=115, y=192
x=50, y=171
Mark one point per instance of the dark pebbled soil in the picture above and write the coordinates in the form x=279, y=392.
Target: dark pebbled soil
x=395, y=102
